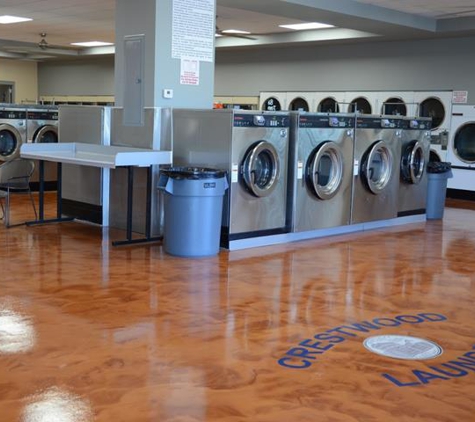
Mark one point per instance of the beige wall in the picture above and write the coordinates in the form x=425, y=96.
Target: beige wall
x=25, y=76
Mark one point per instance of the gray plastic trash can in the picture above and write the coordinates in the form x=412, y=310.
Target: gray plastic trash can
x=438, y=174
x=193, y=206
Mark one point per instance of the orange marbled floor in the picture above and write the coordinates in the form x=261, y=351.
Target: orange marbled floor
x=89, y=332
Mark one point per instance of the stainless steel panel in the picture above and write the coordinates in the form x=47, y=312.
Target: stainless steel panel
x=91, y=125
x=367, y=206
x=308, y=211
x=156, y=133
x=208, y=138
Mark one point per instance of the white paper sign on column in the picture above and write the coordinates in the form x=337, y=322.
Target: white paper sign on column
x=234, y=173
x=189, y=71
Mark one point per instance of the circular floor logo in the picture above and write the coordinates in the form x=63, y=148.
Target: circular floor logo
x=403, y=347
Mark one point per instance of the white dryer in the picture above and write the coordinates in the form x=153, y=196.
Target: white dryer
x=12, y=132
x=396, y=103
x=330, y=102
x=461, y=151
x=301, y=101
x=362, y=102
x=273, y=101
x=438, y=106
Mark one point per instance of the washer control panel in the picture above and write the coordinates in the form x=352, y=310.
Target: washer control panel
x=322, y=120
x=261, y=120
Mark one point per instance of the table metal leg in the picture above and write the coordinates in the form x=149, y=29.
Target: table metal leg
x=41, y=201
x=148, y=220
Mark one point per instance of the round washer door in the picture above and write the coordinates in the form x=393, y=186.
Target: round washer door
x=413, y=162
x=271, y=104
x=324, y=171
x=10, y=141
x=299, y=104
x=260, y=169
x=433, y=107
x=464, y=143
x=46, y=135
x=376, y=168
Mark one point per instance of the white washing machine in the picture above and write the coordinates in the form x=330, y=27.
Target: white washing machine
x=461, y=151
x=301, y=101
x=12, y=132
x=438, y=106
x=362, y=102
x=396, y=103
x=320, y=172
x=330, y=102
x=415, y=145
x=376, y=168
x=273, y=101
x=252, y=146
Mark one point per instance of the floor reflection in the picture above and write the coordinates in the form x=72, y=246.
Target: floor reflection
x=57, y=405
x=17, y=333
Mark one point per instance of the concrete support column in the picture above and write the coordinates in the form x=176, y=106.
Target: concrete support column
x=177, y=52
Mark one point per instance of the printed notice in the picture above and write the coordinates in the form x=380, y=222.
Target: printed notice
x=460, y=97
x=189, y=72
x=193, y=29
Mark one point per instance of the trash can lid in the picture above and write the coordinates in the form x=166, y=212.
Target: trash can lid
x=438, y=167
x=193, y=173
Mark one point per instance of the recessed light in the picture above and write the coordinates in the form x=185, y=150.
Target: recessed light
x=235, y=31
x=92, y=44
x=307, y=25
x=6, y=19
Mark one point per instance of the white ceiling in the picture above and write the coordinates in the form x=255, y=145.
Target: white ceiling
x=67, y=21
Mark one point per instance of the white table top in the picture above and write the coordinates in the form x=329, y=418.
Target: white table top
x=95, y=155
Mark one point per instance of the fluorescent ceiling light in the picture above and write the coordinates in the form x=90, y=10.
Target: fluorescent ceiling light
x=5, y=19
x=307, y=25
x=235, y=31
x=92, y=44
x=217, y=35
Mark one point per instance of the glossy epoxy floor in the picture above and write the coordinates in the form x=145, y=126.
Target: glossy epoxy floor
x=89, y=332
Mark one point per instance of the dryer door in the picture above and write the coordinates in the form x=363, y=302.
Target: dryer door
x=46, y=135
x=413, y=162
x=299, y=104
x=464, y=143
x=376, y=169
x=433, y=107
x=10, y=142
x=260, y=169
x=324, y=172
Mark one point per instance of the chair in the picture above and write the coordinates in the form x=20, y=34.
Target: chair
x=15, y=177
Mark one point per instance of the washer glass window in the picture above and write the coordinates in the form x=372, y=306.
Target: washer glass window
x=413, y=162
x=329, y=105
x=8, y=142
x=394, y=106
x=360, y=105
x=260, y=169
x=433, y=107
x=47, y=135
x=272, y=104
x=464, y=143
x=325, y=170
x=377, y=165
x=299, y=104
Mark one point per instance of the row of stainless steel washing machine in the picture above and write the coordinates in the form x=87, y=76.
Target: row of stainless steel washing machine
x=20, y=124
x=299, y=172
